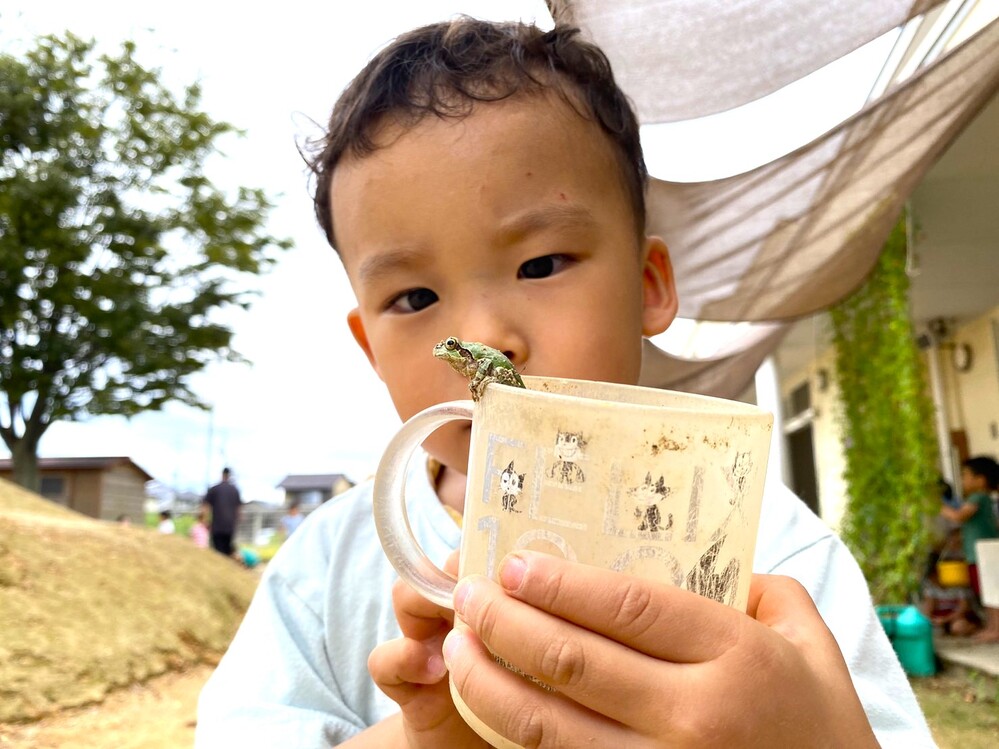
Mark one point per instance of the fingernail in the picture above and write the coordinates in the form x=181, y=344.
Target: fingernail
x=452, y=643
x=436, y=667
x=512, y=572
x=461, y=591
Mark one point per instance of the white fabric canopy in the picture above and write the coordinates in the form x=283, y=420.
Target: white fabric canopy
x=798, y=234
x=683, y=59
x=728, y=377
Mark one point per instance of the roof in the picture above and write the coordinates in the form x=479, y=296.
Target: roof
x=297, y=482
x=80, y=464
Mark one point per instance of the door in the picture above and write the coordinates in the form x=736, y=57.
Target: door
x=804, y=482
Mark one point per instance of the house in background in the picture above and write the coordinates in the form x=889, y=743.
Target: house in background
x=954, y=277
x=103, y=488
x=311, y=490
x=259, y=521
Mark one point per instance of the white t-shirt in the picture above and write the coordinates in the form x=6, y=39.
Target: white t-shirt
x=296, y=672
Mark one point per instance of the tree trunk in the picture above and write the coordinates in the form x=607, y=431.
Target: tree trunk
x=24, y=454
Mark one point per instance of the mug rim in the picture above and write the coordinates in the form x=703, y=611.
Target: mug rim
x=721, y=407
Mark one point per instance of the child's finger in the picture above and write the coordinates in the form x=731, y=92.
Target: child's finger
x=398, y=666
x=599, y=673
x=657, y=619
x=419, y=618
x=412, y=675
x=519, y=710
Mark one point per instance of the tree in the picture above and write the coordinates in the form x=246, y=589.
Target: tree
x=116, y=251
x=887, y=428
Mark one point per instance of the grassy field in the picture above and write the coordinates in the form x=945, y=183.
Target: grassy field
x=88, y=606
x=962, y=709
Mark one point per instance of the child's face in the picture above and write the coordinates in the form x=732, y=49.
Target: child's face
x=511, y=227
x=971, y=482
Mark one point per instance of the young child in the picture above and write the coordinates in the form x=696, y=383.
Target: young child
x=199, y=530
x=165, y=524
x=486, y=181
x=979, y=477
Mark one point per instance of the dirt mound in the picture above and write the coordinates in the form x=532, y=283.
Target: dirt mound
x=88, y=606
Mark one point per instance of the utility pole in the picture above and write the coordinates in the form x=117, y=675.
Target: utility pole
x=208, y=454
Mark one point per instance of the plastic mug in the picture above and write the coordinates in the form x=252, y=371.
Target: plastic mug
x=650, y=482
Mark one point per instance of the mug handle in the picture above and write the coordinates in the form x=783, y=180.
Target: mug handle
x=389, y=500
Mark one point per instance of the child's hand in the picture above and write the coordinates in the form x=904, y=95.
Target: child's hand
x=642, y=664
x=411, y=671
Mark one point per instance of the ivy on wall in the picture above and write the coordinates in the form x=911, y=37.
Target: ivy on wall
x=887, y=414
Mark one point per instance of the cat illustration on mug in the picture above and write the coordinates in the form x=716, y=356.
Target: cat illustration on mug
x=511, y=485
x=569, y=454
x=648, y=495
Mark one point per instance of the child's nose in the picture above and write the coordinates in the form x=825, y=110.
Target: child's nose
x=492, y=319
x=513, y=346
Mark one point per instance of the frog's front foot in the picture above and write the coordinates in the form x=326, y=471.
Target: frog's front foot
x=477, y=388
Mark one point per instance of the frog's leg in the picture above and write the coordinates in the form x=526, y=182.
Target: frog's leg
x=508, y=377
x=481, y=373
x=482, y=377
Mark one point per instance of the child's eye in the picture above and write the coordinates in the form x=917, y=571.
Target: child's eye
x=544, y=266
x=412, y=301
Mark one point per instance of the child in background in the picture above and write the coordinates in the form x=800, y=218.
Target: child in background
x=292, y=519
x=486, y=181
x=948, y=607
x=166, y=522
x=979, y=477
x=199, y=531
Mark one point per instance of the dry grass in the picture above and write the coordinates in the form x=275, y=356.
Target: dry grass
x=88, y=606
x=962, y=709
x=157, y=714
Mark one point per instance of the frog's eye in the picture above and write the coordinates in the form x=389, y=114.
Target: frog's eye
x=451, y=343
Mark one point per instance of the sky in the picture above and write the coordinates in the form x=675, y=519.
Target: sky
x=309, y=402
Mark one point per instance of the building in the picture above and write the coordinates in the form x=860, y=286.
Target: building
x=954, y=291
x=103, y=488
x=311, y=490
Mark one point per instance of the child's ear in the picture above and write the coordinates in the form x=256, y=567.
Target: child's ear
x=356, y=326
x=659, y=301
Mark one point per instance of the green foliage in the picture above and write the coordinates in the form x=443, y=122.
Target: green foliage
x=888, y=428
x=116, y=250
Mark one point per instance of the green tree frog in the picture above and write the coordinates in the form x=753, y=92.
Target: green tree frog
x=478, y=362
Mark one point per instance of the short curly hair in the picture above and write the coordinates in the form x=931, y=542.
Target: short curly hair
x=986, y=467
x=445, y=68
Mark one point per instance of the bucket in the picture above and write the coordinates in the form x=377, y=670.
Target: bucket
x=953, y=573
x=911, y=635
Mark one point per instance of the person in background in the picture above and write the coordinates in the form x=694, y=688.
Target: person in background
x=979, y=477
x=293, y=519
x=166, y=522
x=199, y=531
x=949, y=607
x=947, y=493
x=225, y=503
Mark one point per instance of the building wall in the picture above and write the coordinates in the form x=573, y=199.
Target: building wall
x=84, y=492
x=972, y=402
x=826, y=431
x=830, y=459
x=99, y=494
x=975, y=393
x=122, y=493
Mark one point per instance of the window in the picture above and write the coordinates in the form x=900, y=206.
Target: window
x=52, y=486
x=800, y=400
